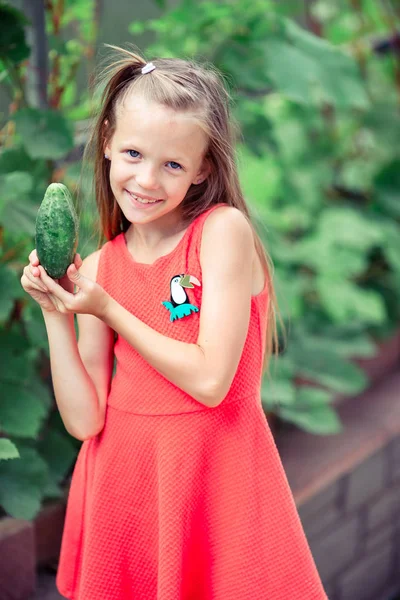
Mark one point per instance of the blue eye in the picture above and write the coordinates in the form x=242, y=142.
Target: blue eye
x=177, y=165
x=174, y=165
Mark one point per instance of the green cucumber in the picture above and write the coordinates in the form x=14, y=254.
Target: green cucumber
x=57, y=228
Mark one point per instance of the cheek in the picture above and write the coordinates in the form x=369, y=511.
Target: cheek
x=180, y=184
x=120, y=171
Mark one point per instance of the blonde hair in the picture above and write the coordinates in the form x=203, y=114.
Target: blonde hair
x=181, y=85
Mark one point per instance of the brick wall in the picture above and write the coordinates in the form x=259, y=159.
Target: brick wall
x=347, y=491
x=353, y=528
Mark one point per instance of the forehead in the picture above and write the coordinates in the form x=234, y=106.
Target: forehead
x=147, y=122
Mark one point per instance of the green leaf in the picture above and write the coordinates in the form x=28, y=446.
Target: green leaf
x=137, y=27
x=344, y=301
x=35, y=327
x=387, y=184
x=13, y=46
x=320, y=420
x=11, y=343
x=350, y=228
x=253, y=119
x=44, y=134
x=309, y=69
x=13, y=186
x=15, y=159
x=349, y=340
x=291, y=71
x=323, y=255
x=22, y=411
x=8, y=450
x=278, y=392
x=56, y=44
x=289, y=291
x=238, y=53
x=52, y=490
x=326, y=366
x=10, y=290
x=392, y=246
x=18, y=364
x=260, y=176
x=22, y=484
x=59, y=453
x=382, y=119
x=308, y=396
x=20, y=217
x=160, y=3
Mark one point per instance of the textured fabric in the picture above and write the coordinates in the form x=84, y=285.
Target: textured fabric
x=174, y=500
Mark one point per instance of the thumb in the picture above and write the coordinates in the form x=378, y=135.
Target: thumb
x=75, y=276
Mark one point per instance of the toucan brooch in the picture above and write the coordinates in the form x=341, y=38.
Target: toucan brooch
x=180, y=306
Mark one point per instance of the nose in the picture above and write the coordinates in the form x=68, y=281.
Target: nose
x=146, y=177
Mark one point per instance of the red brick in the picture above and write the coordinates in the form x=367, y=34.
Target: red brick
x=367, y=480
x=48, y=532
x=17, y=564
x=385, y=361
x=394, y=450
x=46, y=587
x=370, y=421
x=330, y=591
x=327, y=496
x=391, y=592
x=329, y=517
x=333, y=551
x=366, y=579
x=380, y=536
x=384, y=509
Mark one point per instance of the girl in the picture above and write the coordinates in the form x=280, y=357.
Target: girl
x=178, y=491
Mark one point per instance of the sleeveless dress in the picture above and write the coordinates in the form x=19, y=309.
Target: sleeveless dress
x=173, y=500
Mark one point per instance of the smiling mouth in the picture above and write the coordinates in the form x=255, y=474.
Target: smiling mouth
x=143, y=200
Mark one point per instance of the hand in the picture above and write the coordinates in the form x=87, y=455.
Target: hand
x=32, y=284
x=90, y=298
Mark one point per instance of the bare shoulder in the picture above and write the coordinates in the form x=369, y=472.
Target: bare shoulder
x=226, y=258
x=226, y=228
x=228, y=231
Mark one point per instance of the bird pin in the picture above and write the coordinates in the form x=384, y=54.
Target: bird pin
x=180, y=306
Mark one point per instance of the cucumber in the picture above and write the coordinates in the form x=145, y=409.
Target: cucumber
x=57, y=228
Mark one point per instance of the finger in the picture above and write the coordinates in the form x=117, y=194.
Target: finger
x=78, y=261
x=55, y=302
x=54, y=288
x=37, y=285
x=33, y=259
x=35, y=271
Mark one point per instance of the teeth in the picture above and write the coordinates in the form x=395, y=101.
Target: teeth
x=142, y=200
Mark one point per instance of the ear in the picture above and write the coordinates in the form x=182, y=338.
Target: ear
x=203, y=173
x=106, y=139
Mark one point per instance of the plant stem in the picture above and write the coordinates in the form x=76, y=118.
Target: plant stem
x=389, y=16
x=35, y=9
x=16, y=83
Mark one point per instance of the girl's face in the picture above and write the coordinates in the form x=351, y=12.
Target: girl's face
x=156, y=154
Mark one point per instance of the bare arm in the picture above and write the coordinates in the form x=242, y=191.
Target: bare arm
x=75, y=392
x=81, y=372
x=204, y=370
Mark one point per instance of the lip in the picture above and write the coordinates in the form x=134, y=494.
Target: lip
x=137, y=204
x=141, y=196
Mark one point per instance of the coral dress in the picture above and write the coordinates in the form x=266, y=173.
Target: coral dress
x=173, y=500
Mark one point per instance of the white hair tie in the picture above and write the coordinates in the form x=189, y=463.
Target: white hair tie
x=148, y=68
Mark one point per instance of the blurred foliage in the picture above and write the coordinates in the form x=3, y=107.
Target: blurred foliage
x=36, y=147
x=315, y=89
x=318, y=105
